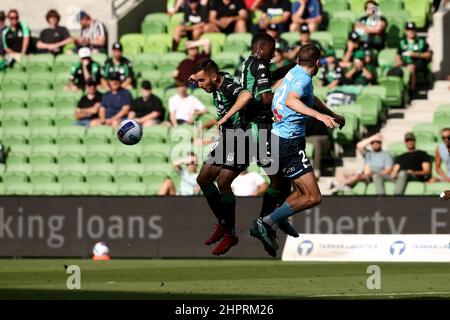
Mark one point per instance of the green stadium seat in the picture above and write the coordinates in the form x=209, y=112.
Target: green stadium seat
x=103, y=189
x=347, y=135
x=42, y=177
x=159, y=167
x=99, y=57
x=81, y=169
x=161, y=132
x=442, y=122
x=170, y=61
x=99, y=177
x=12, y=103
x=390, y=5
x=348, y=15
x=73, y=149
x=65, y=102
x=132, y=43
x=21, y=148
x=157, y=43
x=371, y=100
x=75, y=188
x=324, y=37
x=145, y=61
x=107, y=168
x=62, y=120
x=67, y=159
x=47, y=189
x=203, y=96
x=357, y=6
x=19, y=188
x=394, y=91
x=15, y=76
x=155, y=23
x=396, y=149
x=12, y=121
x=415, y=188
x=441, y=113
x=20, y=168
x=239, y=38
x=435, y=189
x=132, y=189
x=426, y=133
x=14, y=94
x=11, y=177
x=40, y=158
x=154, y=178
x=394, y=31
x=174, y=21
x=238, y=47
x=429, y=148
x=153, y=75
x=151, y=157
x=96, y=158
x=71, y=177
x=16, y=158
x=340, y=29
x=39, y=63
x=386, y=58
x=96, y=135
x=217, y=39
x=49, y=149
x=380, y=91
x=291, y=37
x=39, y=84
x=334, y=6
x=420, y=11
x=12, y=85
x=227, y=59
x=131, y=169
x=127, y=177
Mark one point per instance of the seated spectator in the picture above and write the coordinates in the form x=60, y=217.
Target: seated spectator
x=280, y=43
x=276, y=13
x=89, y=105
x=83, y=70
x=372, y=27
x=305, y=38
x=186, y=67
x=414, y=165
x=377, y=167
x=187, y=169
x=306, y=11
x=278, y=61
x=54, y=38
x=118, y=63
x=360, y=73
x=147, y=109
x=93, y=34
x=330, y=74
x=413, y=52
x=355, y=48
x=179, y=6
x=379, y=162
x=2, y=27
x=16, y=37
x=115, y=104
x=184, y=108
x=442, y=157
x=248, y=184
x=193, y=25
x=227, y=16
x=321, y=138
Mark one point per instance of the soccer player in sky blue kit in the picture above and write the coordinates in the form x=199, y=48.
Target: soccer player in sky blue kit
x=293, y=103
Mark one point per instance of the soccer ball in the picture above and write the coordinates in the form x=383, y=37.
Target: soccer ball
x=129, y=132
x=100, y=249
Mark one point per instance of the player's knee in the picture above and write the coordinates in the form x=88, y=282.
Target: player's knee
x=314, y=199
x=224, y=185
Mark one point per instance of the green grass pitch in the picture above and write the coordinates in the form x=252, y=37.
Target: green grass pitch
x=219, y=279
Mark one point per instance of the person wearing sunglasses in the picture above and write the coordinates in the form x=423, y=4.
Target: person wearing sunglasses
x=16, y=37
x=442, y=158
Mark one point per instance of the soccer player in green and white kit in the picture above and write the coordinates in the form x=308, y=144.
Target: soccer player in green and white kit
x=222, y=163
x=256, y=77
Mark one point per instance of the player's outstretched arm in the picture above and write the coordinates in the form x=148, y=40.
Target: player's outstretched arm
x=293, y=102
x=243, y=99
x=322, y=108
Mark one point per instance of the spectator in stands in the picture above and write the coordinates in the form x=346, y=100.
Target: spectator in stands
x=276, y=13
x=413, y=52
x=184, y=108
x=321, y=138
x=306, y=11
x=148, y=109
x=16, y=37
x=2, y=27
x=355, y=48
x=186, y=67
x=377, y=166
x=118, y=63
x=379, y=162
x=181, y=4
x=305, y=38
x=330, y=75
x=414, y=165
x=227, y=16
x=360, y=73
x=442, y=156
x=248, y=184
x=93, y=34
x=89, y=105
x=278, y=60
x=372, y=26
x=187, y=169
x=193, y=25
x=280, y=43
x=115, y=104
x=54, y=38
x=83, y=70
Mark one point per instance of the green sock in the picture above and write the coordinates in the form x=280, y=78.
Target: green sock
x=213, y=198
x=229, y=210
x=270, y=201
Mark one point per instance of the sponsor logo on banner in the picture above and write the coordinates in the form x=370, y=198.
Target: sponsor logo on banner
x=368, y=247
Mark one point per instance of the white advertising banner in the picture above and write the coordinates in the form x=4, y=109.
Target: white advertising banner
x=368, y=247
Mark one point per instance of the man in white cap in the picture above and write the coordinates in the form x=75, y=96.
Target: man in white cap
x=83, y=70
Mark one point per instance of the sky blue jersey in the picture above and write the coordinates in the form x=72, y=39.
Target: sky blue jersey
x=288, y=123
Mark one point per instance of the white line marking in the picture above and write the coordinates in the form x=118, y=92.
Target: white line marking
x=379, y=294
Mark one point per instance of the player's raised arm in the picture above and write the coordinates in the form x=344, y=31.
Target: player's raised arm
x=293, y=102
x=322, y=108
x=244, y=98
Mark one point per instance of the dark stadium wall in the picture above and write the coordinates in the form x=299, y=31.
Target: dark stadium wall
x=131, y=22
x=445, y=63
x=160, y=227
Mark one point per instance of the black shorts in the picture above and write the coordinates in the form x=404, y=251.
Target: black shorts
x=229, y=151
x=292, y=160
